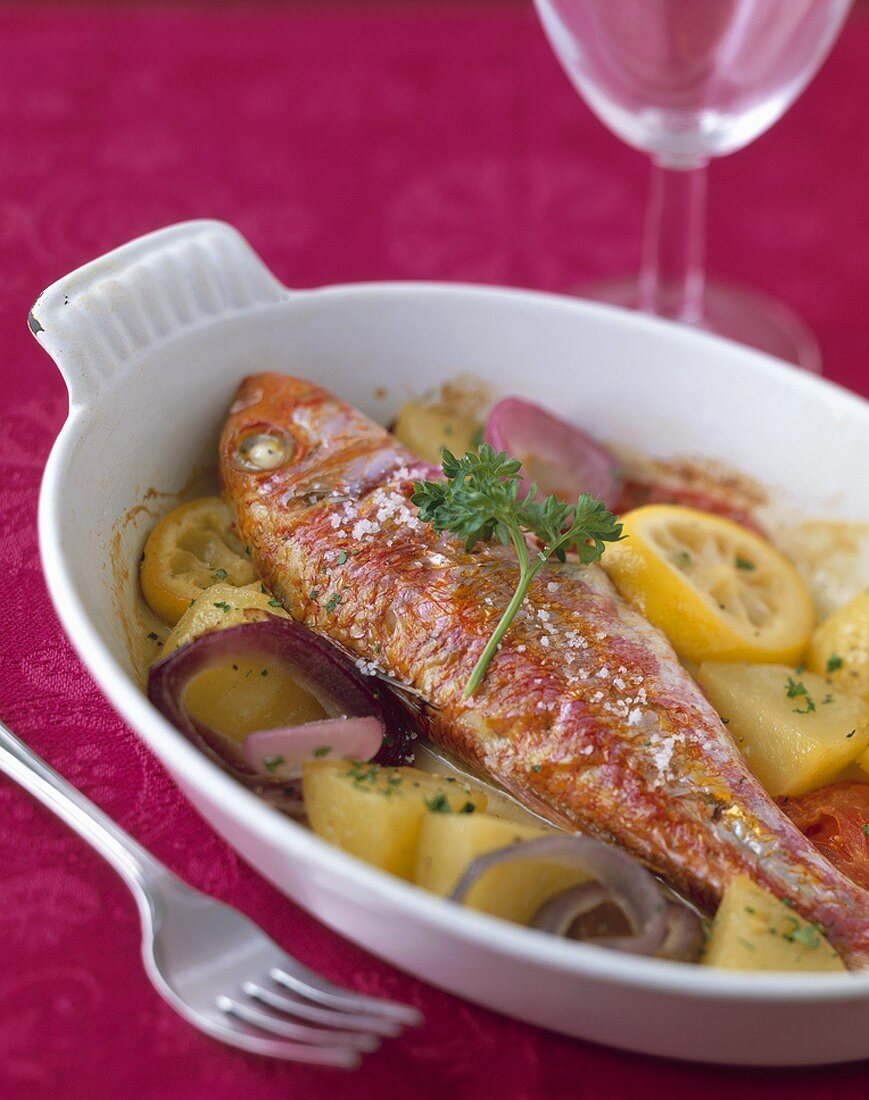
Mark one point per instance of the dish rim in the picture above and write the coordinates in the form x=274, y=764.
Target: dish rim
x=283, y=835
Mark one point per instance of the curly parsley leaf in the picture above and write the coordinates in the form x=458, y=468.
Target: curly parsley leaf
x=479, y=500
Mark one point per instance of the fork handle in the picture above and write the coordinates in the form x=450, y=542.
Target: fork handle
x=134, y=864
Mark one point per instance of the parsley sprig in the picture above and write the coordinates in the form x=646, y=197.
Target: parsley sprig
x=479, y=500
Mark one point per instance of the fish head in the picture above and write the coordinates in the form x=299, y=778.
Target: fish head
x=287, y=440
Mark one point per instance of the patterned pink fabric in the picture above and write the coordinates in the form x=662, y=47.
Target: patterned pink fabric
x=399, y=144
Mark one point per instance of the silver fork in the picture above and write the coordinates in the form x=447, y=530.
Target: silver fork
x=212, y=964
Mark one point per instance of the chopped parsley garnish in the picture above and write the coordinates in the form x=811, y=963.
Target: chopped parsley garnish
x=263, y=589
x=275, y=603
x=438, y=804
x=272, y=763
x=865, y=830
x=744, y=563
x=834, y=662
x=333, y=601
x=314, y=594
x=342, y=557
x=223, y=605
x=536, y=767
x=360, y=774
x=683, y=559
x=747, y=944
x=322, y=751
x=220, y=574
x=478, y=500
x=797, y=689
x=468, y=808
x=807, y=934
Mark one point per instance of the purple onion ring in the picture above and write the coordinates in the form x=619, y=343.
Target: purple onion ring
x=627, y=882
x=315, y=663
x=528, y=432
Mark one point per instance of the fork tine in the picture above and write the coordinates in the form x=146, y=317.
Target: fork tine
x=317, y=989
x=316, y=1036
x=233, y=1035
x=378, y=1025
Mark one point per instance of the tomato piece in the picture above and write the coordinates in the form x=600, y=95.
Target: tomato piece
x=836, y=820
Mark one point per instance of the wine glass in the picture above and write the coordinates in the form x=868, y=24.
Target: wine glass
x=684, y=81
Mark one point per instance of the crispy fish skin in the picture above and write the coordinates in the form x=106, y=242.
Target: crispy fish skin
x=584, y=713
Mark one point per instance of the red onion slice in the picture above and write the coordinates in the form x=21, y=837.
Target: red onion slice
x=682, y=941
x=558, y=457
x=559, y=913
x=312, y=661
x=628, y=884
x=281, y=752
x=685, y=936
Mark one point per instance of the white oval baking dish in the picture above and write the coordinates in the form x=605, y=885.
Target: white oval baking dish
x=152, y=340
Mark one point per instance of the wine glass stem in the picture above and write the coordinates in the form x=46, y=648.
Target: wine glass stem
x=671, y=273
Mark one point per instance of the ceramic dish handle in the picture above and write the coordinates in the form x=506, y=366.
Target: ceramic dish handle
x=101, y=319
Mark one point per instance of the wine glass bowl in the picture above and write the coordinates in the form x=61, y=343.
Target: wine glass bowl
x=685, y=81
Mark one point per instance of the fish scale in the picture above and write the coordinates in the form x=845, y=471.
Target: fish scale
x=585, y=714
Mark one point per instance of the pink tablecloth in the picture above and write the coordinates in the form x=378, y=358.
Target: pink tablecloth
x=346, y=146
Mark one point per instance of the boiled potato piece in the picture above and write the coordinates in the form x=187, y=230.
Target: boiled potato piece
x=795, y=729
x=220, y=606
x=839, y=648
x=515, y=891
x=753, y=930
x=243, y=696
x=191, y=549
x=428, y=429
x=376, y=813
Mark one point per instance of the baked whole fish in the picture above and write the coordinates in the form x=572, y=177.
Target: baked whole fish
x=584, y=714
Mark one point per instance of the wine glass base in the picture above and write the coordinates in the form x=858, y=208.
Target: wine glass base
x=746, y=316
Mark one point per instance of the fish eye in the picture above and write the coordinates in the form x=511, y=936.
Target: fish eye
x=264, y=450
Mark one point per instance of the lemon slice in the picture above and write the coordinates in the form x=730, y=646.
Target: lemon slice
x=190, y=549
x=717, y=590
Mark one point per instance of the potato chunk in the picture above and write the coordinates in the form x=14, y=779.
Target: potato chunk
x=219, y=606
x=839, y=648
x=376, y=813
x=514, y=891
x=753, y=930
x=427, y=429
x=796, y=731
